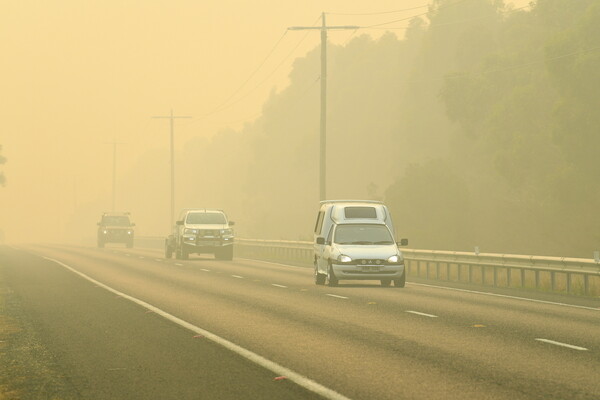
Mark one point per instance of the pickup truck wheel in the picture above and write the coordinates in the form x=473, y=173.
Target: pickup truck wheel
x=331, y=279
x=386, y=282
x=319, y=277
x=184, y=254
x=178, y=252
x=168, y=251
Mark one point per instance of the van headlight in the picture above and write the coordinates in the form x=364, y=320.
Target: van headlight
x=396, y=259
x=344, y=259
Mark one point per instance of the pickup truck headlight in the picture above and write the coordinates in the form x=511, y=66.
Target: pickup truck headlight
x=226, y=232
x=344, y=259
x=189, y=231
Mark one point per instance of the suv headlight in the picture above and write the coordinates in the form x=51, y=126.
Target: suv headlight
x=189, y=231
x=344, y=259
x=396, y=259
x=226, y=232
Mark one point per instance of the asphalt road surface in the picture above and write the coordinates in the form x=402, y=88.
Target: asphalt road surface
x=129, y=324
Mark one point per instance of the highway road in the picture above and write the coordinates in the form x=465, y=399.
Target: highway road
x=129, y=324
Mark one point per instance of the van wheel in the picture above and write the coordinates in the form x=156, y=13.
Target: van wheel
x=319, y=278
x=386, y=282
x=331, y=279
x=400, y=282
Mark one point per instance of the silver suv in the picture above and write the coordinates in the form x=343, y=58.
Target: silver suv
x=199, y=231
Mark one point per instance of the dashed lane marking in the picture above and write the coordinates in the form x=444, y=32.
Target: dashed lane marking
x=179, y=264
x=204, y=269
x=237, y=276
x=278, y=369
x=281, y=286
x=336, y=296
x=423, y=314
x=569, y=346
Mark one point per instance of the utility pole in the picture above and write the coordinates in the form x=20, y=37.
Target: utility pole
x=323, y=127
x=114, y=177
x=172, y=118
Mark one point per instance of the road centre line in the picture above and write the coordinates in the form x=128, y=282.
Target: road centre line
x=237, y=276
x=204, y=269
x=280, y=370
x=423, y=314
x=281, y=286
x=504, y=296
x=336, y=296
x=570, y=346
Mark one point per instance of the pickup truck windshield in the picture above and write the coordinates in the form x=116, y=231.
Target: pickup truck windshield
x=115, y=220
x=363, y=234
x=205, y=218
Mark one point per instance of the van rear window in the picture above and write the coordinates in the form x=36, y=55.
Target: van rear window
x=360, y=212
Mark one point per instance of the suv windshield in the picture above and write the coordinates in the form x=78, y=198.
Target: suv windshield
x=205, y=218
x=363, y=234
x=115, y=220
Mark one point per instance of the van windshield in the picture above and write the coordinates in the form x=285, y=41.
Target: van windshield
x=205, y=218
x=363, y=234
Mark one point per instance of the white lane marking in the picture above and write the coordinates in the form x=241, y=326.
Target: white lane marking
x=336, y=296
x=158, y=259
x=505, y=296
x=280, y=370
x=570, y=346
x=237, y=276
x=281, y=286
x=423, y=314
x=181, y=265
x=273, y=263
x=204, y=269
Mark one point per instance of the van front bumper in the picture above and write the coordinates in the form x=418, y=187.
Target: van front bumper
x=366, y=272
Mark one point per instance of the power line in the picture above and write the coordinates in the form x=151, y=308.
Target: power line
x=380, y=13
x=216, y=109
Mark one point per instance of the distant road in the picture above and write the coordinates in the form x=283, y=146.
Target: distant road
x=357, y=341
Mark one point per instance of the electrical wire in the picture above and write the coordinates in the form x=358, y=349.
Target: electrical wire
x=380, y=13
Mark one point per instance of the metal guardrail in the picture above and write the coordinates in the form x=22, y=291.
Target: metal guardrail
x=557, y=274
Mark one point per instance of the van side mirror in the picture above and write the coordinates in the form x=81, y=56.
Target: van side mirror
x=403, y=242
x=320, y=240
x=179, y=222
x=231, y=223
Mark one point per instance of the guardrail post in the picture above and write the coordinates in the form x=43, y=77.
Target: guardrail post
x=459, y=266
x=552, y=280
x=448, y=271
x=482, y=274
x=437, y=270
x=537, y=279
x=508, y=276
x=495, y=276
x=470, y=273
x=586, y=284
x=522, y=277
x=569, y=282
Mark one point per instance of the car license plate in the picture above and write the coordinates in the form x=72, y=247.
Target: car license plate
x=370, y=268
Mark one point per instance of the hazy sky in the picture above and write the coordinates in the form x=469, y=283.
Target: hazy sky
x=78, y=74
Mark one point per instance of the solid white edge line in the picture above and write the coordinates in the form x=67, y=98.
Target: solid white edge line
x=423, y=314
x=504, y=296
x=280, y=370
x=570, y=346
x=272, y=263
x=281, y=286
x=336, y=296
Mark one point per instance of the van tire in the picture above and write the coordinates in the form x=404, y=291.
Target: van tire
x=386, y=282
x=331, y=279
x=319, y=277
x=400, y=282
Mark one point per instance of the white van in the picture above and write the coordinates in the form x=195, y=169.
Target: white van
x=354, y=240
